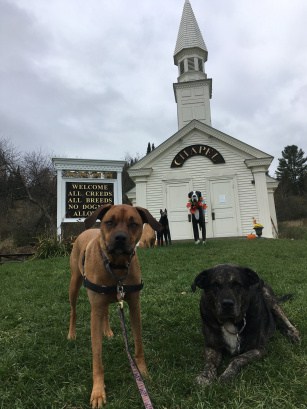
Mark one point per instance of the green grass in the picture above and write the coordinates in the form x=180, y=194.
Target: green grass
x=39, y=368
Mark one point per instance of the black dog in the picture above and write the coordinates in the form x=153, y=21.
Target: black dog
x=239, y=314
x=196, y=207
x=165, y=232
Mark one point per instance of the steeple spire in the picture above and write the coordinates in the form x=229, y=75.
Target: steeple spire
x=189, y=35
x=193, y=89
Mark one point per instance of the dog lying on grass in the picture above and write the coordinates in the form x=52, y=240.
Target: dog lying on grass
x=239, y=315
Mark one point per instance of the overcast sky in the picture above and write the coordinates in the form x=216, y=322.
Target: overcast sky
x=93, y=79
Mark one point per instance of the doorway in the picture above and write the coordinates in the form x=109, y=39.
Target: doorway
x=223, y=208
x=176, y=201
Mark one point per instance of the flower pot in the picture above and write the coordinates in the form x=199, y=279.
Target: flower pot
x=258, y=231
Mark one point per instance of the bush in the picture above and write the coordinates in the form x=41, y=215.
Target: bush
x=291, y=207
x=49, y=246
x=291, y=230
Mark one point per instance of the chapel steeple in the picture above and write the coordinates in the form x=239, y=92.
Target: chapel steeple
x=193, y=90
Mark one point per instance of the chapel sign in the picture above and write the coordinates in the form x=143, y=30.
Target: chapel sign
x=83, y=198
x=83, y=185
x=193, y=150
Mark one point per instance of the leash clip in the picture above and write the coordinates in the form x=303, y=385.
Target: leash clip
x=120, y=292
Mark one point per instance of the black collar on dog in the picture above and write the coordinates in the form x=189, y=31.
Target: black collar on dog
x=119, y=288
x=111, y=289
x=110, y=267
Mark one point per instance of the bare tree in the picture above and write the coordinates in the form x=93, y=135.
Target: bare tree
x=40, y=183
x=27, y=194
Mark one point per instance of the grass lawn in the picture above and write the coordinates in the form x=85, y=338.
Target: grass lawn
x=39, y=368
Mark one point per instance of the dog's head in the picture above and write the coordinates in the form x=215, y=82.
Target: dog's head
x=163, y=213
x=195, y=196
x=121, y=226
x=227, y=291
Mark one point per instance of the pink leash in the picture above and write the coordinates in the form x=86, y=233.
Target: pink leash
x=135, y=370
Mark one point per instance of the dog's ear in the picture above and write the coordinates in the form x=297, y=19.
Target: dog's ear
x=251, y=278
x=148, y=218
x=190, y=195
x=161, y=211
x=96, y=215
x=201, y=280
x=198, y=193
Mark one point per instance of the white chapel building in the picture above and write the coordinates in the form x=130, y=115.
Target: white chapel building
x=231, y=175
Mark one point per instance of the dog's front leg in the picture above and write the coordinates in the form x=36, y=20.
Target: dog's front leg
x=238, y=362
x=98, y=396
x=136, y=327
x=213, y=359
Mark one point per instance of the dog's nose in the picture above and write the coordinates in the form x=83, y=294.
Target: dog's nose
x=120, y=238
x=228, y=303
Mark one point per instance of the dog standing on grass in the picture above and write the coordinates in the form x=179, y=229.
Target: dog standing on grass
x=165, y=232
x=105, y=260
x=239, y=314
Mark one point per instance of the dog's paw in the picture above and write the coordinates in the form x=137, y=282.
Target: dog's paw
x=142, y=367
x=203, y=379
x=108, y=333
x=226, y=376
x=294, y=335
x=71, y=336
x=98, y=398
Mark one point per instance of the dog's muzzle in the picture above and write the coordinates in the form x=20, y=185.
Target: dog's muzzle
x=228, y=309
x=120, y=244
x=194, y=198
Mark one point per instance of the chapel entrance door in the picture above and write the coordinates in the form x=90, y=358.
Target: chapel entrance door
x=223, y=208
x=176, y=201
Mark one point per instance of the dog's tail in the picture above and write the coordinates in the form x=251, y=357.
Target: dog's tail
x=284, y=298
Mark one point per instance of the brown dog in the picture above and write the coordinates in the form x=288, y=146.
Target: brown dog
x=105, y=260
x=148, y=237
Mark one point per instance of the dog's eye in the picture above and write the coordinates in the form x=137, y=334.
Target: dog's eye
x=235, y=284
x=109, y=223
x=216, y=286
x=133, y=224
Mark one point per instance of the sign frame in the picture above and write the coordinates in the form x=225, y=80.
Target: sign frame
x=85, y=171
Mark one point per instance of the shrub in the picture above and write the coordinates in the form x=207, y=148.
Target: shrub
x=49, y=246
x=288, y=230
